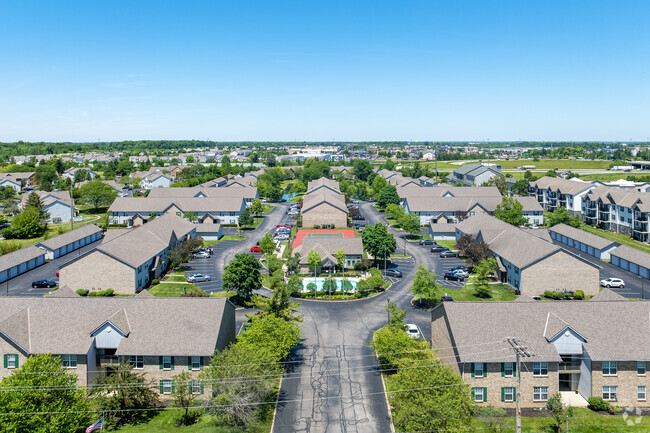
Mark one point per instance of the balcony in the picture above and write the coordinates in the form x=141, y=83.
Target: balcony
x=591, y=205
x=109, y=361
x=603, y=217
x=591, y=213
x=569, y=367
x=641, y=227
x=552, y=195
x=603, y=208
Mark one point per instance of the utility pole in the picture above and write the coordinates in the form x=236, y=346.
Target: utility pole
x=519, y=352
x=72, y=207
x=435, y=155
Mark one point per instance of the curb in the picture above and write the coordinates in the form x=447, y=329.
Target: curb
x=277, y=398
x=383, y=384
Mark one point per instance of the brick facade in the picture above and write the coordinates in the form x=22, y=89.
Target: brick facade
x=324, y=213
x=97, y=271
x=626, y=381
x=569, y=273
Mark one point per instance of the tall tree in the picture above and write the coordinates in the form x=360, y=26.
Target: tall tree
x=242, y=275
x=499, y=182
x=561, y=215
x=511, y=211
x=313, y=260
x=378, y=242
x=411, y=224
x=97, y=194
x=387, y=196
x=182, y=393
x=257, y=208
x=245, y=218
x=267, y=245
x=361, y=169
x=424, y=284
x=48, y=396
x=341, y=257
x=483, y=270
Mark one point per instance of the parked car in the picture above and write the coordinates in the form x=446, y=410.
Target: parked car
x=44, y=284
x=453, y=276
x=458, y=268
x=414, y=331
x=4, y=225
x=612, y=282
x=200, y=255
x=448, y=253
x=281, y=237
x=256, y=249
x=393, y=273
x=197, y=278
x=438, y=249
x=447, y=299
x=427, y=242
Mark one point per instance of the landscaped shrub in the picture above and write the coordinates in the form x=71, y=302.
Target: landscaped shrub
x=558, y=295
x=568, y=295
x=316, y=226
x=597, y=403
x=548, y=294
x=155, y=281
x=82, y=292
x=92, y=293
x=579, y=294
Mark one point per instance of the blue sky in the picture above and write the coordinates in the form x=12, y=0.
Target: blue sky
x=324, y=70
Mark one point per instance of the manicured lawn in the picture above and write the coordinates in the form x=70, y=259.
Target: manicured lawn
x=169, y=290
x=225, y=238
x=617, y=237
x=393, y=222
x=268, y=208
x=224, y=294
x=584, y=421
x=165, y=421
x=447, y=244
x=176, y=278
x=499, y=292
x=607, y=176
x=297, y=198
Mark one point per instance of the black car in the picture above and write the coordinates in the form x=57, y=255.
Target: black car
x=448, y=254
x=44, y=284
x=427, y=242
x=393, y=273
x=447, y=299
x=438, y=249
x=458, y=268
x=452, y=276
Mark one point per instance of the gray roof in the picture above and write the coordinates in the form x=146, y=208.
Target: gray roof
x=323, y=182
x=323, y=195
x=138, y=245
x=473, y=324
x=632, y=255
x=247, y=192
x=195, y=204
x=464, y=204
x=452, y=191
x=69, y=237
x=207, y=228
x=17, y=257
x=327, y=247
x=62, y=325
x=586, y=238
x=564, y=186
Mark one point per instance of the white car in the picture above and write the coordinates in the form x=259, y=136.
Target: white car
x=612, y=282
x=281, y=237
x=414, y=331
x=197, y=278
x=201, y=255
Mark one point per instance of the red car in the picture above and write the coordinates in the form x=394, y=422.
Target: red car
x=256, y=249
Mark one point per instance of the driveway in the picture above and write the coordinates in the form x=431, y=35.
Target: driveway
x=332, y=383
x=22, y=284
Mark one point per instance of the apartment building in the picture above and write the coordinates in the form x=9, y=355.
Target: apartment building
x=570, y=351
x=475, y=174
x=323, y=204
x=528, y=262
x=618, y=210
x=57, y=204
x=327, y=248
x=128, y=259
x=554, y=192
x=160, y=336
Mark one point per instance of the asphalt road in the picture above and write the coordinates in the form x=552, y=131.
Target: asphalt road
x=22, y=284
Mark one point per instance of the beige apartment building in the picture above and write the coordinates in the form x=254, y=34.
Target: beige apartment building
x=588, y=348
x=323, y=204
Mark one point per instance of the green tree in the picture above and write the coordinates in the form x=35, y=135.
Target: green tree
x=242, y=275
x=311, y=287
x=313, y=260
x=233, y=395
x=293, y=264
x=520, y=188
x=395, y=211
x=387, y=196
x=361, y=169
x=43, y=390
x=341, y=257
x=276, y=334
x=499, y=182
x=26, y=225
x=378, y=242
x=124, y=395
x=389, y=165
x=378, y=184
x=257, y=208
x=45, y=175
x=558, y=411
x=267, y=245
x=396, y=316
x=298, y=187
x=191, y=216
x=561, y=215
x=245, y=218
x=511, y=211
x=182, y=394
x=279, y=305
x=411, y=224
x=484, y=269
x=424, y=284
x=329, y=286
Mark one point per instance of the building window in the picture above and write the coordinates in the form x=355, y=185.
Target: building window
x=196, y=387
x=196, y=362
x=508, y=393
x=479, y=394
x=610, y=368
x=609, y=393
x=508, y=369
x=11, y=361
x=166, y=387
x=166, y=362
x=479, y=371
x=640, y=368
x=540, y=369
x=540, y=393
x=137, y=361
x=69, y=361
x=640, y=392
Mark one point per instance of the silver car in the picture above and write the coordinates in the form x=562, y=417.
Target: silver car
x=198, y=278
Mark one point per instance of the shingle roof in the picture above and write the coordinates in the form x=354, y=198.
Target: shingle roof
x=195, y=204
x=63, y=325
x=464, y=204
x=327, y=247
x=473, y=324
x=632, y=255
x=564, y=186
x=323, y=195
x=247, y=192
x=69, y=237
x=17, y=257
x=586, y=238
x=323, y=182
x=455, y=191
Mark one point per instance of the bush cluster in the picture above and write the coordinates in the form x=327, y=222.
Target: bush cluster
x=155, y=282
x=577, y=295
x=597, y=403
x=107, y=292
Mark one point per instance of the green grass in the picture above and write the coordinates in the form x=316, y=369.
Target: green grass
x=584, y=421
x=606, y=177
x=393, y=222
x=499, y=292
x=224, y=294
x=297, y=198
x=170, y=290
x=447, y=244
x=268, y=208
x=543, y=164
x=617, y=237
x=224, y=238
x=176, y=278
